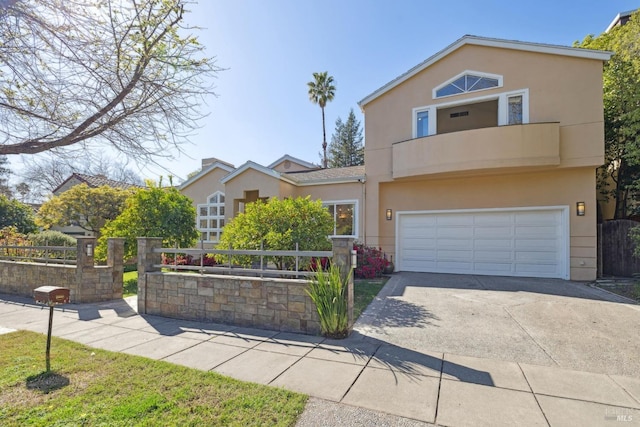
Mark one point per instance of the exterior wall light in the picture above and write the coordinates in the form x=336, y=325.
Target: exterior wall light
x=389, y=214
x=89, y=250
x=580, y=208
x=354, y=258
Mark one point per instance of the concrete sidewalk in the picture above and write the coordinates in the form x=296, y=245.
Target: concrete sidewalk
x=360, y=380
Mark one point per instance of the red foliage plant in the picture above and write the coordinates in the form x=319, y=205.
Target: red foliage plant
x=168, y=259
x=371, y=262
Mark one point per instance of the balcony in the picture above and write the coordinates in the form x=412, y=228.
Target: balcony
x=528, y=146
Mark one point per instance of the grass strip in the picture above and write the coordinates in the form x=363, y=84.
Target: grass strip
x=364, y=291
x=92, y=387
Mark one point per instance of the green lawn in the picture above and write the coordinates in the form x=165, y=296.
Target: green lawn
x=364, y=291
x=93, y=387
x=130, y=283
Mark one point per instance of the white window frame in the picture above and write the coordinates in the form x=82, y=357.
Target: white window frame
x=356, y=224
x=503, y=111
x=497, y=77
x=211, y=230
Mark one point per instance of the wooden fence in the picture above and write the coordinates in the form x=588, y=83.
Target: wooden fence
x=615, y=249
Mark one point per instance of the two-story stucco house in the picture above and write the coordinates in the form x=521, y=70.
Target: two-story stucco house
x=482, y=160
x=479, y=160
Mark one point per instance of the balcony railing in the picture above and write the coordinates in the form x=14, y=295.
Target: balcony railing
x=528, y=146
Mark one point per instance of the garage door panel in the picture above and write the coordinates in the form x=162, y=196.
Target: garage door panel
x=492, y=244
x=494, y=255
x=459, y=244
x=544, y=270
x=448, y=255
x=512, y=242
x=493, y=268
x=419, y=254
x=462, y=267
x=494, y=219
x=414, y=242
x=537, y=231
x=458, y=220
x=536, y=257
x=491, y=231
x=419, y=231
x=455, y=232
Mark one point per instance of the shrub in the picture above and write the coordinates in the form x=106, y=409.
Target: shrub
x=153, y=211
x=328, y=290
x=10, y=236
x=371, y=262
x=52, y=238
x=278, y=225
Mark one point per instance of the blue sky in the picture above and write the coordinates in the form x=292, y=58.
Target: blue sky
x=270, y=48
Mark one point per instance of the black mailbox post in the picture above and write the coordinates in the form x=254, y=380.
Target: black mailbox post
x=50, y=295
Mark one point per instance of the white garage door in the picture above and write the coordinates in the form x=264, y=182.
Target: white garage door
x=531, y=242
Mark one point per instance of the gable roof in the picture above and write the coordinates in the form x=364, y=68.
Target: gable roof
x=217, y=164
x=292, y=160
x=95, y=181
x=254, y=166
x=490, y=42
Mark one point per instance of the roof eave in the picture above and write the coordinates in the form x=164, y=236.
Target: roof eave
x=348, y=180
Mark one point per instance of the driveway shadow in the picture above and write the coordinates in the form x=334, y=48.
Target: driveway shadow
x=376, y=353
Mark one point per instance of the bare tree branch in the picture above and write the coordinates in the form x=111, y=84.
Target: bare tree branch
x=128, y=74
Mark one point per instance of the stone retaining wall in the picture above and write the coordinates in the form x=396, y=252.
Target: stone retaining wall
x=277, y=304
x=268, y=303
x=86, y=281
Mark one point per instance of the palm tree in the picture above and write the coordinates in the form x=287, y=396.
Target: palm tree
x=321, y=91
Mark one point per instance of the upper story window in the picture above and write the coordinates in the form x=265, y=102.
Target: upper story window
x=422, y=125
x=344, y=215
x=210, y=220
x=468, y=81
x=514, y=110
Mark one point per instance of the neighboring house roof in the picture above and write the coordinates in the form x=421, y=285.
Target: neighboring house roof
x=218, y=164
x=326, y=176
x=255, y=166
x=491, y=42
x=293, y=160
x=95, y=181
x=620, y=19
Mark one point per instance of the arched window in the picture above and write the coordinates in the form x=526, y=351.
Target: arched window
x=468, y=81
x=210, y=219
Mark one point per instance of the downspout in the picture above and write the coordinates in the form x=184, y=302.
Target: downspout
x=364, y=211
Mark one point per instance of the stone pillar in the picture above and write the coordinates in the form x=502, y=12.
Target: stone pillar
x=342, y=247
x=147, y=258
x=86, y=274
x=86, y=248
x=115, y=261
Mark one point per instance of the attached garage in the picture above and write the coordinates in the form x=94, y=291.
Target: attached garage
x=527, y=242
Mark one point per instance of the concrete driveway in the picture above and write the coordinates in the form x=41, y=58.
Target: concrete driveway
x=539, y=321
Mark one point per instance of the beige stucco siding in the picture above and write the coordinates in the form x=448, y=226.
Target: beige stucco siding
x=201, y=189
x=338, y=192
x=557, y=188
x=561, y=89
